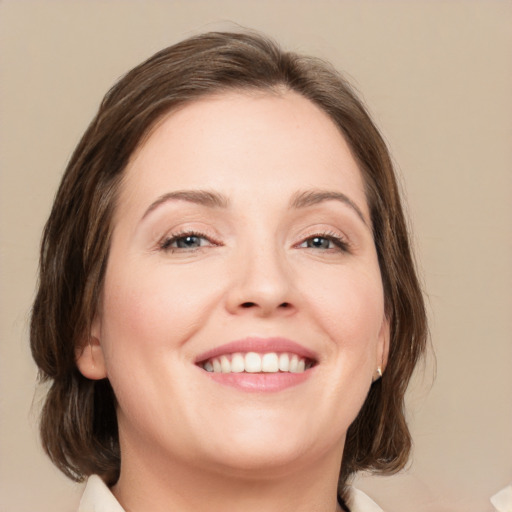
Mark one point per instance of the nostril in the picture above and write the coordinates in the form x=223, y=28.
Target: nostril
x=247, y=305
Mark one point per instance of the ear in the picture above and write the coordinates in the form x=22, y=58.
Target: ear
x=382, y=352
x=89, y=355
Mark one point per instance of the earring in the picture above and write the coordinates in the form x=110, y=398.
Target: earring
x=379, y=374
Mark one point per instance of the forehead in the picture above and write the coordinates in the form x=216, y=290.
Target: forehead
x=259, y=141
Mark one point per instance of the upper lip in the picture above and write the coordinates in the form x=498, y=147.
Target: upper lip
x=261, y=345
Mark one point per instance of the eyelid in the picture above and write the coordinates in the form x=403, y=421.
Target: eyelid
x=164, y=242
x=340, y=240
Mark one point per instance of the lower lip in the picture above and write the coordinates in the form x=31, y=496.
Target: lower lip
x=260, y=382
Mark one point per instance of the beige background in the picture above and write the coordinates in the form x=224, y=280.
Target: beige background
x=437, y=76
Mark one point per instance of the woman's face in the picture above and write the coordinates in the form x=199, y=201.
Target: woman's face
x=241, y=228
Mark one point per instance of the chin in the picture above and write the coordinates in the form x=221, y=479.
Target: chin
x=267, y=460
x=276, y=445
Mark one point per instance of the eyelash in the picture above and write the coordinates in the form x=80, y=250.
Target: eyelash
x=339, y=242
x=166, y=242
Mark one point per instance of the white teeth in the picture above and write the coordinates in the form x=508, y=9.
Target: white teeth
x=252, y=362
x=217, y=368
x=284, y=362
x=237, y=363
x=225, y=365
x=270, y=363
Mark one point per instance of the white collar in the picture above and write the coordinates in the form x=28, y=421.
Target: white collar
x=97, y=497
x=360, y=502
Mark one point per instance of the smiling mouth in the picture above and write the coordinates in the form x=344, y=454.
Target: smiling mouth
x=254, y=362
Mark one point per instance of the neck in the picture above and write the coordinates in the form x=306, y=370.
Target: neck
x=149, y=485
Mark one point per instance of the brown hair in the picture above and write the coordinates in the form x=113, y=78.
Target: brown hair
x=78, y=421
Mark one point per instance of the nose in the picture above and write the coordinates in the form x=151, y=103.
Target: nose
x=261, y=284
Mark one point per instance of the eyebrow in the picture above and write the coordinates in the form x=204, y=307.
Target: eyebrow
x=202, y=197
x=210, y=199
x=314, y=197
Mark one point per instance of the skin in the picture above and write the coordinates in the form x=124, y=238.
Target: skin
x=185, y=439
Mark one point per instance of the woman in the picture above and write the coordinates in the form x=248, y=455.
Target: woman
x=228, y=310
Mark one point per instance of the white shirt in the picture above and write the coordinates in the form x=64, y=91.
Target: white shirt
x=97, y=497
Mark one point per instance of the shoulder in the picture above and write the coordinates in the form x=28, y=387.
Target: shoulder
x=360, y=502
x=97, y=497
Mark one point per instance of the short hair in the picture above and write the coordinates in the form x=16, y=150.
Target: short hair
x=78, y=421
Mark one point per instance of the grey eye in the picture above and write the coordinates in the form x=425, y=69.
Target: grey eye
x=325, y=242
x=319, y=242
x=184, y=241
x=189, y=242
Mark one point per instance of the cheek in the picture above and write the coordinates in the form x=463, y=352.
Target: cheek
x=146, y=312
x=349, y=308
x=148, y=315
x=350, y=305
